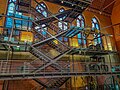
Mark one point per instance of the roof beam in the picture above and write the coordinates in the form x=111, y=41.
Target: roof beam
x=108, y=5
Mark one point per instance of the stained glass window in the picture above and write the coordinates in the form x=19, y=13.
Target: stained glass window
x=81, y=23
x=95, y=26
x=41, y=8
x=10, y=12
x=9, y=21
x=63, y=26
x=17, y=24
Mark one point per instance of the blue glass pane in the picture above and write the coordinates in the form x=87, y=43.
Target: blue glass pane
x=43, y=33
x=78, y=22
x=84, y=41
x=95, y=41
x=60, y=38
x=65, y=26
x=13, y=0
x=30, y=24
x=82, y=24
x=18, y=21
x=9, y=31
x=65, y=39
x=17, y=32
x=43, y=5
x=9, y=22
x=79, y=35
x=94, y=20
x=10, y=14
x=93, y=25
x=79, y=41
x=24, y=23
x=18, y=26
x=5, y=38
x=61, y=18
x=97, y=26
x=44, y=13
x=18, y=13
x=60, y=25
x=18, y=16
x=38, y=10
x=36, y=7
x=25, y=17
x=99, y=40
x=10, y=0
x=62, y=10
x=11, y=7
x=12, y=39
x=80, y=17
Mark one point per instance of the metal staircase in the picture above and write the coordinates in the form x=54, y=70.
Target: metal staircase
x=52, y=82
x=56, y=82
x=79, y=4
x=54, y=67
x=46, y=50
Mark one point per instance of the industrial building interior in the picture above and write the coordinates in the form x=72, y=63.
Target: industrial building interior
x=59, y=44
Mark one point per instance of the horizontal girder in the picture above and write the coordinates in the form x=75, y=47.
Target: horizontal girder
x=53, y=75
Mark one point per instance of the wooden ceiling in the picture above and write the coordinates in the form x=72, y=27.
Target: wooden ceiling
x=105, y=6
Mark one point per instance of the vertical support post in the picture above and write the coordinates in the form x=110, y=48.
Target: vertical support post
x=24, y=68
x=109, y=55
x=113, y=80
x=1, y=66
x=9, y=46
x=73, y=62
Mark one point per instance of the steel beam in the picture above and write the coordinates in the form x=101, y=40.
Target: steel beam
x=53, y=75
x=108, y=5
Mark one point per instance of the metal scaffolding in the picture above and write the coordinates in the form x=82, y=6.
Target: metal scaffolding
x=46, y=64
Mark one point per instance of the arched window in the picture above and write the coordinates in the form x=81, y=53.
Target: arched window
x=81, y=23
x=16, y=23
x=11, y=8
x=95, y=26
x=10, y=12
x=63, y=26
x=9, y=21
x=41, y=8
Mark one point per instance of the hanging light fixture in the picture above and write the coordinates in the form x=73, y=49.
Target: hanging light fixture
x=62, y=2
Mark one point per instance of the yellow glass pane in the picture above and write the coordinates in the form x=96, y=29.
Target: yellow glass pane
x=55, y=41
x=74, y=42
x=26, y=37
